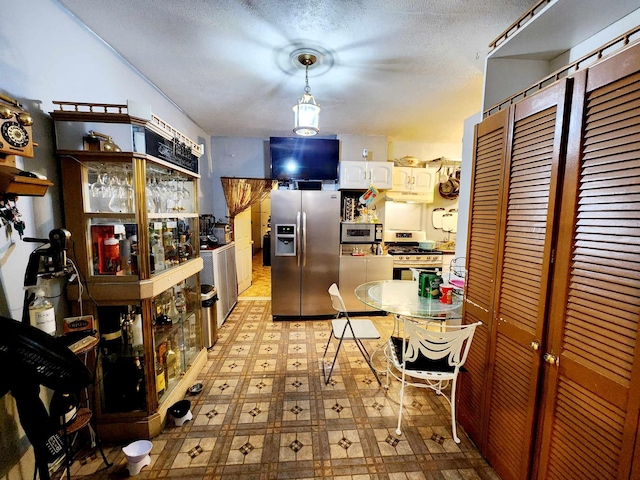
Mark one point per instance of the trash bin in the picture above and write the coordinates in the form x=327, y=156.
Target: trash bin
x=266, y=250
x=209, y=297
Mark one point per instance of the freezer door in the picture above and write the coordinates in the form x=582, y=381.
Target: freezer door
x=285, y=270
x=320, y=245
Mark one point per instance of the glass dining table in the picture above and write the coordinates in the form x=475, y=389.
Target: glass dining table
x=400, y=297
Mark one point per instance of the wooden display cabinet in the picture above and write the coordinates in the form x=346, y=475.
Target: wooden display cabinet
x=133, y=217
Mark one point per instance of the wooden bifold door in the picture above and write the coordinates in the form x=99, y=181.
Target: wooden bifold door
x=557, y=281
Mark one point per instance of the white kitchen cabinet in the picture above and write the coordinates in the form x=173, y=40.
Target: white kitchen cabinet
x=357, y=270
x=360, y=175
x=414, y=181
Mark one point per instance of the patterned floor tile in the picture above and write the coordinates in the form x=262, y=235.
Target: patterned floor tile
x=265, y=413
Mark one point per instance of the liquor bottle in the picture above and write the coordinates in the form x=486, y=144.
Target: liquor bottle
x=160, y=380
x=157, y=250
x=181, y=302
x=171, y=361
x=139, y=374
x=134, y=254
x=125, y=256
x=161, y=374
x=138, y=338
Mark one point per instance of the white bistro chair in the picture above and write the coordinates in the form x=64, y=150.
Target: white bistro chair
x=429, y=356
x=347, y=329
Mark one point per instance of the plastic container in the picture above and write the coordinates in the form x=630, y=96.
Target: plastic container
x=42, y=315
x=427, y=245
x=111, y=259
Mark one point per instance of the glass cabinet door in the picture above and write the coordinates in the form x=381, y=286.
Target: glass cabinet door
x=114, y=247
x=177, y=333
x=122, y=365
x=168, y=191
x=110, y=188
x=173, y=229
x=171, y=242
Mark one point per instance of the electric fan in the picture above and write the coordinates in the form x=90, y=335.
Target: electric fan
x=36, y=358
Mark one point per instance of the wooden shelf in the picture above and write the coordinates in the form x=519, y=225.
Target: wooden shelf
x=14, y=182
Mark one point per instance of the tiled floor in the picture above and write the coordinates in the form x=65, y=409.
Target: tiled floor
x=265, y=413
x=260, y=288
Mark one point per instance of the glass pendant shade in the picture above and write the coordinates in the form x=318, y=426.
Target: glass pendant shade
x=306, y=116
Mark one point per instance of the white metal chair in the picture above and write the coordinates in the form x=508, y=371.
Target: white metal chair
x=346, y=328
x=429, y=356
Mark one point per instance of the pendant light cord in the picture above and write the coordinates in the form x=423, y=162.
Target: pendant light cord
x=306, y=79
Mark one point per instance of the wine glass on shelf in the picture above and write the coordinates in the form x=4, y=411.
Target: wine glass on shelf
x=99, y=190
x=121, y=191
x=185, y=194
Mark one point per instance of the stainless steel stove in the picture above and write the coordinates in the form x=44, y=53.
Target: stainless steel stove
x=404, y=247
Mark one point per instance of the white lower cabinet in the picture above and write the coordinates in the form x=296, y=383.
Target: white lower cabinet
x=220, y=270
x=357, y=270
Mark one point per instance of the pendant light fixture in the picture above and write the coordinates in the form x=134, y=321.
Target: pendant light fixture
x=306, y=112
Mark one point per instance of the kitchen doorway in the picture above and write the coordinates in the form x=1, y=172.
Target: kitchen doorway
x=260, y=288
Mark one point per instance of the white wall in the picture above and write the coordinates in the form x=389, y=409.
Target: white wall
x=231, y=157
x=47, y=55
x=59, y=59
x=465, y=179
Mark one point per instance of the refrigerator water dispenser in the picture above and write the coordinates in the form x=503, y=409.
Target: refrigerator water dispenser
x=285, y=240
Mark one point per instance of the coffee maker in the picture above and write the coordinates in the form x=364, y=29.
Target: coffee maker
x=47, y=261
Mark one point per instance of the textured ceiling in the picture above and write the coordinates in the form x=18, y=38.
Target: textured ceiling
x=408, y=69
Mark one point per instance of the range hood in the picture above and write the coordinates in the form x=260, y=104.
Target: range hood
x=408, y=197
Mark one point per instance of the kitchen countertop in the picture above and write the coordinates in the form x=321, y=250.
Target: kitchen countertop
x=214, y=247
x=364, y=255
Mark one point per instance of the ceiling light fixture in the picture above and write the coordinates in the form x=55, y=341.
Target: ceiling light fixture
x=306, y=112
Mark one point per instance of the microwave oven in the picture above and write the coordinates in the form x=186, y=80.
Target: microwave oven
x=360, y=232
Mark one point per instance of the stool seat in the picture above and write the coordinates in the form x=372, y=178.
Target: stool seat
x=362, y=328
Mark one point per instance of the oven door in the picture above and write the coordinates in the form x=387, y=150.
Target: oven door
x=401, y=272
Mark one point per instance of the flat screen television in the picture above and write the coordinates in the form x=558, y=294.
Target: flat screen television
x=304, y=158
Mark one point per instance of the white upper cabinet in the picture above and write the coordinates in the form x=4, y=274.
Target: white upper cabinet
x=363, y=162
x=353, y=175
x=417, y=181
x=360, y=175
x=380, y=174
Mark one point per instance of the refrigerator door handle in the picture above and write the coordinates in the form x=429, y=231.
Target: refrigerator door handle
x=297, y=240
x=304, y=239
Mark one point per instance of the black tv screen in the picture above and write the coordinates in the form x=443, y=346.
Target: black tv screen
x=304, y=158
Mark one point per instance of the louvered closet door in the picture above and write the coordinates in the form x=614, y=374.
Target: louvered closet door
x=526, y=242
x=482, y=247
x=593, y=393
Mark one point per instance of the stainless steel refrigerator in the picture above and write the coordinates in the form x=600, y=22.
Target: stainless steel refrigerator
x=305, y=251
